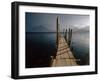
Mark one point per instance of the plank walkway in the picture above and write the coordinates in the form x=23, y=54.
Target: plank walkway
x=64, y=56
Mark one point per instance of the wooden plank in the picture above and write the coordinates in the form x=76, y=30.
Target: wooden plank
x=64, y=56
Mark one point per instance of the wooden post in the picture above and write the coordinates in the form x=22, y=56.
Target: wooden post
x=64, y=32
x=66, y=35
x=71, y=37
x=57, y=32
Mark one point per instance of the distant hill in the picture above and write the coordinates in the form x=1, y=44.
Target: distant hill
x=41, y=28
x=79, y=29
x=71, y=27
x=84, y=29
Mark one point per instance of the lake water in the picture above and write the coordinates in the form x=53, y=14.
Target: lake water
x=41, y=46
x=80, y=47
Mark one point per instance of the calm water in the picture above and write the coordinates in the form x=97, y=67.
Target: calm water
x=40, y=46
x=80, y=47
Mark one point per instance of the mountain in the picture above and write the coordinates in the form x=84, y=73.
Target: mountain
x=84, y=29
x=41, y=28
x=71, y=27
x=79, y=29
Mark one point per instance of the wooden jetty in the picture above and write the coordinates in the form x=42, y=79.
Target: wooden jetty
x=64, y=55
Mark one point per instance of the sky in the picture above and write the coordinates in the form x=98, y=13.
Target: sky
x=46, y=22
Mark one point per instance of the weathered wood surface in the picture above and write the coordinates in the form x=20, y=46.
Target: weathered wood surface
x=64, y=56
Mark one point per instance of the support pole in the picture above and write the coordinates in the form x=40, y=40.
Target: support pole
x=57, y=32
